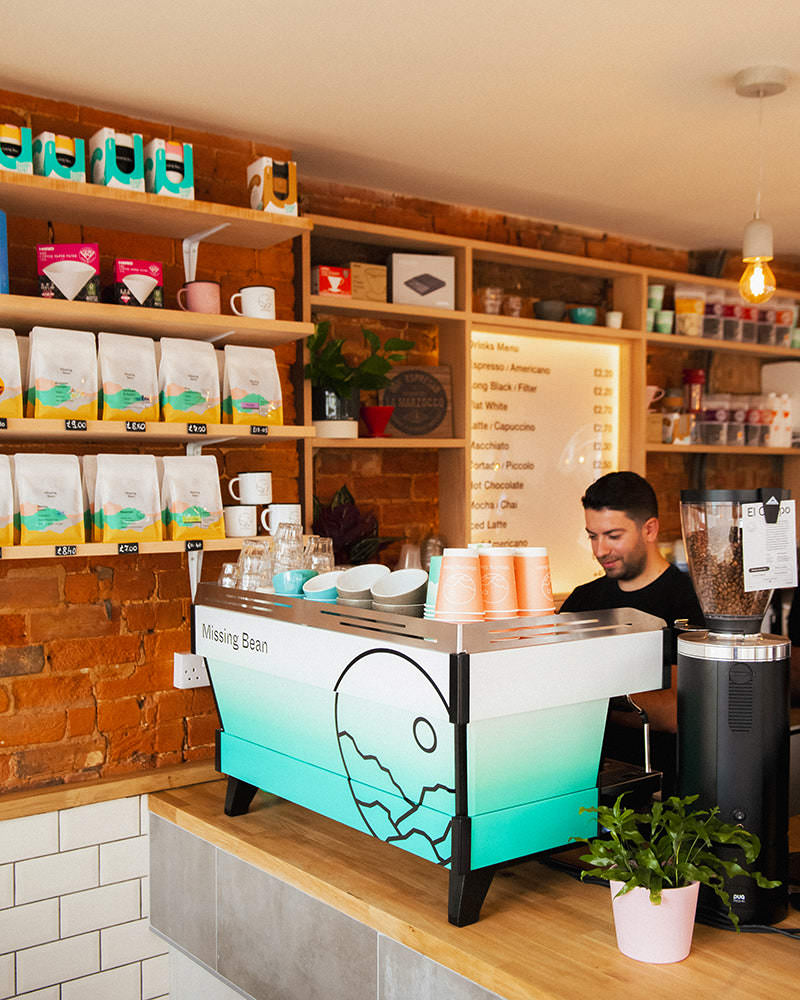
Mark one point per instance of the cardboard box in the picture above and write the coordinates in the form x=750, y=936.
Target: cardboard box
x=169, y=168
x=59, y=156
x=422, y=401
x=368, y=281
x=138, y=283
x=69, y=271
x=423, y=280
x=327, y=280
x=121, y=167
x=272, y=185
x=15, y=149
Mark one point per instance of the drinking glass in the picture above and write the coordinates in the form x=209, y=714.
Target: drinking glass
x=288, y=548
x=319, y=554
x=229, y=575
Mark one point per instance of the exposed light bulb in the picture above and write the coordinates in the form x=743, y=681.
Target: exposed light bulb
x=757, y=284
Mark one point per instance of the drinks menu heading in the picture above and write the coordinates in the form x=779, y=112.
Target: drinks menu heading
x=544, y=425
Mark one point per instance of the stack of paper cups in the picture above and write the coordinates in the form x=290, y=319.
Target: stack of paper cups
x=498, y=583
x=433, y=585
x=458, y=595
x=534, y=590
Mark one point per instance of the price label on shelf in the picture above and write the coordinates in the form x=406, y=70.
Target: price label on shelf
x=127, y=548
x=259, y=429
x=136, y=426
x=194, y=545
x=197, y=428
x=66, y=550
x=3, y=424
x=75, y=425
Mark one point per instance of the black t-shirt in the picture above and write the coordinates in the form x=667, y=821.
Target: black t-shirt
x=671, y=596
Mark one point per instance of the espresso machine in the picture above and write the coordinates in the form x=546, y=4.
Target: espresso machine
x=733, y=683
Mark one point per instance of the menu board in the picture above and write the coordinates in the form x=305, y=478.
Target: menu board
x=544, y=425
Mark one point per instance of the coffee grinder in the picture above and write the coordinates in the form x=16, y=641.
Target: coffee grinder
x=733, y=682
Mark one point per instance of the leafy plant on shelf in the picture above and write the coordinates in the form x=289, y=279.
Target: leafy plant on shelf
x=355, y=535
x=668, y=847
x=329, y=369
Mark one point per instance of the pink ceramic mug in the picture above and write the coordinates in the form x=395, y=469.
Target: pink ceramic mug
x=201, y=297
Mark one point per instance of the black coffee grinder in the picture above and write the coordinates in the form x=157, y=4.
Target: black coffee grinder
x=733, y=683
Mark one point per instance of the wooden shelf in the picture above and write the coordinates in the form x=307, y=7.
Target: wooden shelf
x=112, y=549
x=137, y=212
x=720, y=449
x=389, y=236
x=365, y=307
x=21, y=312
x=40, y=430
x=732, y=346
x=520, y=324
x=387, y=442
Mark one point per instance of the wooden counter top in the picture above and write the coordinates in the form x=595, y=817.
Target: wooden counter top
x=542, y=934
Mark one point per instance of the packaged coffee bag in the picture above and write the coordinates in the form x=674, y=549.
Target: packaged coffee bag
x=6, y=502
x=10, y=376
x=252, y=389
x=190, y=497
x=62, y=374
x=48, y=499
x=188, y=382
x=127, y=507
x=128, y=378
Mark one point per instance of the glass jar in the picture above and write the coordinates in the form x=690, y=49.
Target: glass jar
x=737, y=419
x=712, y=320
x=713, y=425
x=693, y=381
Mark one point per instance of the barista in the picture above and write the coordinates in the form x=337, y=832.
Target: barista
x=621, y=514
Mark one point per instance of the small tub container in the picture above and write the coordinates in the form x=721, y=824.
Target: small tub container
x=749, y=324
x=737, y=419
x=765, y=325
x=712, y=317
x=732, y=317
x=755, y=431
x=785, y=314
x=690, y=305
x=713, y=427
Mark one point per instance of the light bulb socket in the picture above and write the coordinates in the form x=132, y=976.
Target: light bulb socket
x=757, y=241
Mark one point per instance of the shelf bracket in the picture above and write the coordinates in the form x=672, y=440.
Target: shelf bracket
x=190, y=245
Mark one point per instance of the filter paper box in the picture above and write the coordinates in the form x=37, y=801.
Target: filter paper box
x=118, y=164
x=69, y=271
x=169, y=168
x=59, y=156
x=272, y=185
x=368, y=281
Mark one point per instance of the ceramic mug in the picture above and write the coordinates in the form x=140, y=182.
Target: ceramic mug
x=242, y=521
x=257, y=301
x=654, y=393
x=254, y=488
x=201, y=297
x=282, y=513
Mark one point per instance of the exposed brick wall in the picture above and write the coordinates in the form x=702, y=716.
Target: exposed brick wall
x=87, y=644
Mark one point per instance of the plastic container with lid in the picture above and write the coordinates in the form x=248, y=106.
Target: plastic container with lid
x=765, y=325
x=690, y=304
x=755, y=430
x=785, y=313
x=732, y=317
x=749, y=323
x=712, y=320
x=737, y=416
x=693, y=381
x=713, y=425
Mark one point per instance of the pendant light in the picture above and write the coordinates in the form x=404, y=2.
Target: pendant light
x=757, y=284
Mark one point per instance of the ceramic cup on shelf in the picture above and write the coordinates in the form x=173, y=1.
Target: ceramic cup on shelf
x=283, y=513
x=200, y=297
x=242, y=521
x=254, y=488
x=614, y=319
x=257, y=301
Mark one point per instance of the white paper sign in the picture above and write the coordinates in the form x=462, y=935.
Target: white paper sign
x=544, y=425
x=769, y=551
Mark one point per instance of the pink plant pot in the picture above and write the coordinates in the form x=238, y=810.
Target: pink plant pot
x=656, y=934
x=377, y=419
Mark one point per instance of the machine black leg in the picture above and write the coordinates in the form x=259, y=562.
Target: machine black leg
x=466, y=895
x=238, y=797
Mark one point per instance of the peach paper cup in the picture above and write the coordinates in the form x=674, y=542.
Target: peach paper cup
x=459, y=590
x=498, y=583
x=534, y=590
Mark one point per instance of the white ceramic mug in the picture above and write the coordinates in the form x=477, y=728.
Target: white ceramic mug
x=257, y=301
x=614, y=319
x=242, y=521
x=254, y=488
x=282, y=513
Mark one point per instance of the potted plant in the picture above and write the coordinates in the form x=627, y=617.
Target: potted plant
x=354, y=534
x=656, y=862
x=336, y=383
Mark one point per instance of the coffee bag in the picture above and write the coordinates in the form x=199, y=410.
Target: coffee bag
x=10, y=376
x=128, y=377
x=62, y=374
x=6, y=502
x=48, y=500
x=127, y=507
x=190, y=497
x=188, y=382
x=252, y=389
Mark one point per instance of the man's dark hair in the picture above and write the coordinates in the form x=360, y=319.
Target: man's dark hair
x=625, y=491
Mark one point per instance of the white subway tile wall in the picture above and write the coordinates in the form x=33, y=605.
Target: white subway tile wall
x=74, y=904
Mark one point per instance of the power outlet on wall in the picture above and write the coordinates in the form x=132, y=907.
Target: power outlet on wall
x=189, y=671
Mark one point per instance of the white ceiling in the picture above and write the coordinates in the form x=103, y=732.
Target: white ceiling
x=618, y=115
